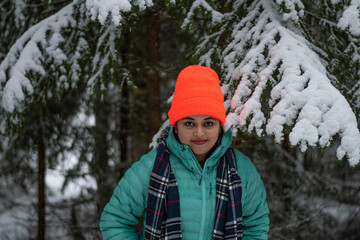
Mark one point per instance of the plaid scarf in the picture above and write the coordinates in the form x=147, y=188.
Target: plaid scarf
x=163, y=207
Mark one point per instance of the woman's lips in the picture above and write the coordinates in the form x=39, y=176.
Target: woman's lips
x=199, y=141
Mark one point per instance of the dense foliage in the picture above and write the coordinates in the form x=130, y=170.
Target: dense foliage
x=84, y=86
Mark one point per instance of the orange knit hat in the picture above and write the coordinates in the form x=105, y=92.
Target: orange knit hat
x=197, y=92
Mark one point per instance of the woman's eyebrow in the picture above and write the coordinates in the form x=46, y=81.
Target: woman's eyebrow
x=189, y=118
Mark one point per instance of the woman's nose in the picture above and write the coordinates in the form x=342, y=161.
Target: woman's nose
x=199, y=131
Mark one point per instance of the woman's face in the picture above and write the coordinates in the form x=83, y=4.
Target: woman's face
x=199, y=132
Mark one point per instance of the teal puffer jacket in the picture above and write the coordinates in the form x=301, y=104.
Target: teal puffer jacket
x=197, y=190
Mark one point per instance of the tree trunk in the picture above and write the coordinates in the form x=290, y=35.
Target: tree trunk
x=124, y=123
x=226, y=8
x=153, y=76
x=124, y=99
x=41, y=187
x=75, y=228
x=99, y=165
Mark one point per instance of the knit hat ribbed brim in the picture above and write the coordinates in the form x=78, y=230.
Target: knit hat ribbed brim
x=197, y=92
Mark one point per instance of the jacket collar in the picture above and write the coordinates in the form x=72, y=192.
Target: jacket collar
x=184, y=153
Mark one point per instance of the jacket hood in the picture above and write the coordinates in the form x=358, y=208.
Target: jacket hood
x=184, y=153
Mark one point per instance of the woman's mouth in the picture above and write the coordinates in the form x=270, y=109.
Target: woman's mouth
x=199, y=141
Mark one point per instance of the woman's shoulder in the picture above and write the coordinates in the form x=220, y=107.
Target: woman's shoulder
x=143, y=167
x=147, y=159
x=244, y=164
x=241, y=158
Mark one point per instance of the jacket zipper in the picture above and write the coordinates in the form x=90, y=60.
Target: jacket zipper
x=203, y=198
x=203, y=209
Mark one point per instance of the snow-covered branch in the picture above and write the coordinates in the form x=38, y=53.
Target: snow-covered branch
x=102, y=9
x=216, y=16
x=27, y=54
x=350, y=18
x=274, y=83
x=291, y=9
x=56, y=48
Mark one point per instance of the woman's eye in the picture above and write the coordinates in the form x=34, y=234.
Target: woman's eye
x=189, y=124
x=209, y=124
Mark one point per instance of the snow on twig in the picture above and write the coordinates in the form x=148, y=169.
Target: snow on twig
x=351, y=18
x=102, y=9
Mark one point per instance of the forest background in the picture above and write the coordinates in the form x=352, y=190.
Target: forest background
x=85, y=87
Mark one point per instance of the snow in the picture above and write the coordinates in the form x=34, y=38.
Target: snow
x=263, y=59
x=351, y=18
x=301, y=95
x=291, y=6
x=101, y=59
x=102, y=9
x=20, y=6
x=143, y=4
x=273, y=82
x=25, y=56
x=157, y=136
x=215, y=15
x=11, y=219
x=55, y=179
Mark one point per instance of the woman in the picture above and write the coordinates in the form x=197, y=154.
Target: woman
x=194, y=186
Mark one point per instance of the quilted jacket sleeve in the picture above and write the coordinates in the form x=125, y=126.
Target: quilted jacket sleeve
x=128, y=201
x=255, y=209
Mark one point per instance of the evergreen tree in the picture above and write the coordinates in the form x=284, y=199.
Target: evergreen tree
x=273, y=79
x=97, y=67
x=76, y=81
x=279, y=69
x=46, y=79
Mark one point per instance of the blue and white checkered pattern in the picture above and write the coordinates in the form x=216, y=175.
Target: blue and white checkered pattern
x=228, y=210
